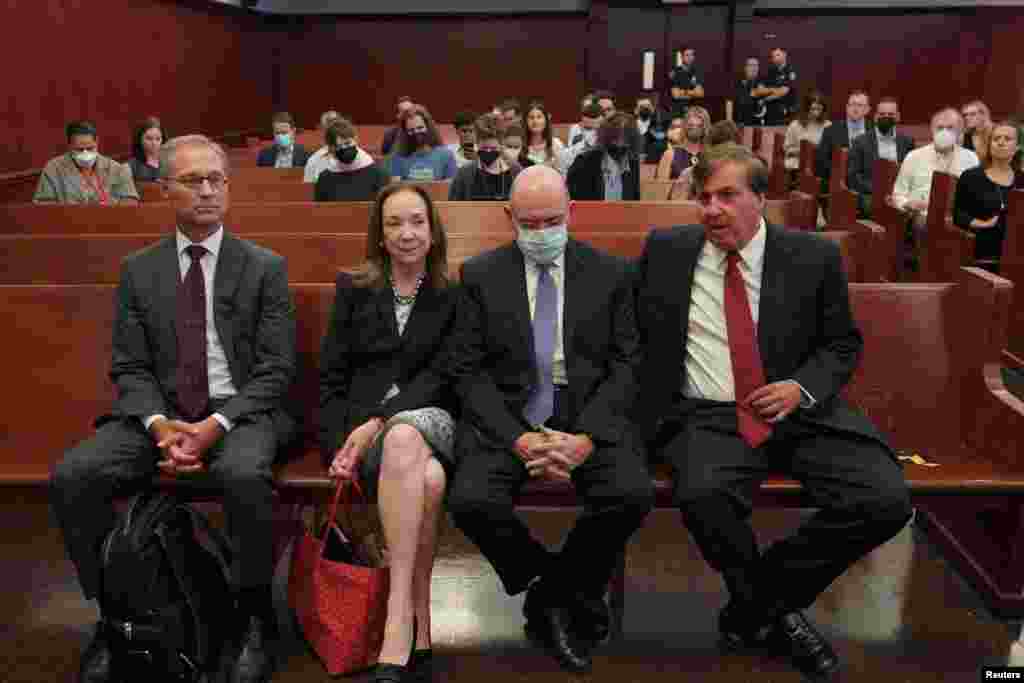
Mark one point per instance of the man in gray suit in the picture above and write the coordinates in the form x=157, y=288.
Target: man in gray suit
x=203, y=355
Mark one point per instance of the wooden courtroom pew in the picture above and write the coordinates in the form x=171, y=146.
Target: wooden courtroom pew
x=887, y=221
x=1011, y=266
x=946, y=247
x=842, y=206
x=777, y=180
x=96, y=259
x=927, y=349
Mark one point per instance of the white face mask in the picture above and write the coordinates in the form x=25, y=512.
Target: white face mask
x=943, y=138
x=545, y=245
x=85, y=159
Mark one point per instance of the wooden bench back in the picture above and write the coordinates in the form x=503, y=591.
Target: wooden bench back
x=946, y=248
x=1011, y=266
x=807, y=182
x=61, y=340
x=777, y=180
x=842, y=204
x=892, y=221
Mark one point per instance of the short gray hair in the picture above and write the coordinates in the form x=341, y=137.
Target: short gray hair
x=171, y=147
x=949, y=110
x=328, y=117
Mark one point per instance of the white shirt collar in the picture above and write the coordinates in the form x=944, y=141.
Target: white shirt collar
x=211, y=243
x=752, y=254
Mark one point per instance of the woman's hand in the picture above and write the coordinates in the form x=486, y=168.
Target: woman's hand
x=348, y=456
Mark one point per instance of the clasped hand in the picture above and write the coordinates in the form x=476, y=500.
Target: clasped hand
x=551, y=454
x=776, y=401
x=183, y=444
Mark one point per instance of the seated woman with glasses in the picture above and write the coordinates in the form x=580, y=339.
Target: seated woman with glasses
x=358, y=178
x=386, y=408
x=490, y=177
x=419, y=155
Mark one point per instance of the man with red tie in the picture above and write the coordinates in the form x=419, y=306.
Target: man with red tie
x=756, y=320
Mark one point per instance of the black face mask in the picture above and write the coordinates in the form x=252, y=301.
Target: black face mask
x=346, y=155
x=885, y=125
x=617, y=152
x=644, y=114
x=488, y=157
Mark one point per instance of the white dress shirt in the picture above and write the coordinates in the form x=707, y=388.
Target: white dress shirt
x=318, y=162
x=707, y=362
x=914, y=180
x=218, y=372
x=557, y=271
x=887, y=147
x=284, y=157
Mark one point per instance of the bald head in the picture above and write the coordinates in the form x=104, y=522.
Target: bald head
x=539, y=198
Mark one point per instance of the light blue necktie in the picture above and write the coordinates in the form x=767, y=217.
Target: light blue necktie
x=545, y=325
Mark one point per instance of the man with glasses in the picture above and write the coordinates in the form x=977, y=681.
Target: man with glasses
x=203, y=355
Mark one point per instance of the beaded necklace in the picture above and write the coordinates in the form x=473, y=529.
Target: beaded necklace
x=406, y=300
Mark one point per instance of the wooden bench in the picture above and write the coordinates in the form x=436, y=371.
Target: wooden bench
x=887, y=222
x=928, y=354
x=946, y=247
x=1011, y=267
x=312, y=257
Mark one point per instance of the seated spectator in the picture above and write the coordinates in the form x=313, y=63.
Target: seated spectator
x=541, y=146
x=808, y=125
x=146, y=141
x=606, y=100
x=913, y=186
x=978, y=121
x=747, y=109
x=696, y=126
x=512, y=113
x=419, y=155
x=285, y=152
x=723, y=132
x=490, y=177
x=403, y=105
x=883, y=142
x=585, y=139
x=357, y=178
x=324, y=158
x=982, y=192
x=652, y=124
x=465, y=149
x=576, y=129
x=513, y=144
x=610, y=171
x=83, y=175
x=842, y=134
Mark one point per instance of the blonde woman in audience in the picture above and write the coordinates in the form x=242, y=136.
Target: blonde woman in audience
x=541, y=147
x=419, y=155
x=687, y=141
x=84, y=176
x=808, y=125
x=386, y=411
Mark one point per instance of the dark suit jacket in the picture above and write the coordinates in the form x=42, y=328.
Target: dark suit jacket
x=805, y=330
x=497, y=371
x=832, y=138
x=863, y=155
x=363, y=355
x=253, y=314
x=268, y=155
x=585, y=177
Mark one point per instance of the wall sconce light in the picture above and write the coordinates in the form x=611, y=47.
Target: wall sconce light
x=648, y=70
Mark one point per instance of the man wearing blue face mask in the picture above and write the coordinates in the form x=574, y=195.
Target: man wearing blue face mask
x=285, y=152
x=544, y=363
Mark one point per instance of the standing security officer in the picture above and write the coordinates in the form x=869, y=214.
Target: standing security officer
x=778, y=89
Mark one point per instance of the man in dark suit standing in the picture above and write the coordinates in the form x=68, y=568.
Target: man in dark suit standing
x=842, y=134
x=881, y=142
x=547, y=352
x=285, y=152
x=203, y=354
x=748, y=340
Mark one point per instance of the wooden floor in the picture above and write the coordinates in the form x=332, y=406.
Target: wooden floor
x=901, y=615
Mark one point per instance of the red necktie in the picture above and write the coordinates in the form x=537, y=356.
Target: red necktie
x=193, y=382
x=747, y=370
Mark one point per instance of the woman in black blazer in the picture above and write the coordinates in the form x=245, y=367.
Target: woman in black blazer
x=386, y=408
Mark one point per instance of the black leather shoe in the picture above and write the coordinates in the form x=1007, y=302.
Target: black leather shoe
x=255, y=662
x=95, y=665
x=737, y=634
x=551, y=627
x=810, y=653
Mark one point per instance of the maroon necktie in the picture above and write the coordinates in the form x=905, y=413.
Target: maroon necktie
x=193, y=386
x=747, y=370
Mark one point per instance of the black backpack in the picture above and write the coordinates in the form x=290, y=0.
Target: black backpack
x=166, y=598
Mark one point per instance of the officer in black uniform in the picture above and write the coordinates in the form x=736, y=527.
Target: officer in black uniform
x=685, y=83
x=747, y=109
x=780, y=89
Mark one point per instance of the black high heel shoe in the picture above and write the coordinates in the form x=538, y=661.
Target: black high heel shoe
x=398, y=673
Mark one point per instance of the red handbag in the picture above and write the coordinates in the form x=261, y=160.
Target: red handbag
x=340, y=606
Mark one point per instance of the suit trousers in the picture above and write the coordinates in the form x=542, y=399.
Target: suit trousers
x=616, y=491
x=120, y=459
x=853, y=480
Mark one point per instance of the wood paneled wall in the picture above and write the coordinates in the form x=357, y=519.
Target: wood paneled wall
x=197, y=66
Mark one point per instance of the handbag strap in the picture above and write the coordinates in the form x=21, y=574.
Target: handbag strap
x=332, y=511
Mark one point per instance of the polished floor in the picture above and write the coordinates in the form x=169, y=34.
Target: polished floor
x=899, y=615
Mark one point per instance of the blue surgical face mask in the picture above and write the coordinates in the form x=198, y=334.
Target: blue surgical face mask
x=283, y=139
x=544, y=245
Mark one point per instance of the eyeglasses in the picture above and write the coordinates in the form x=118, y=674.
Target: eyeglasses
x=195, y=182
